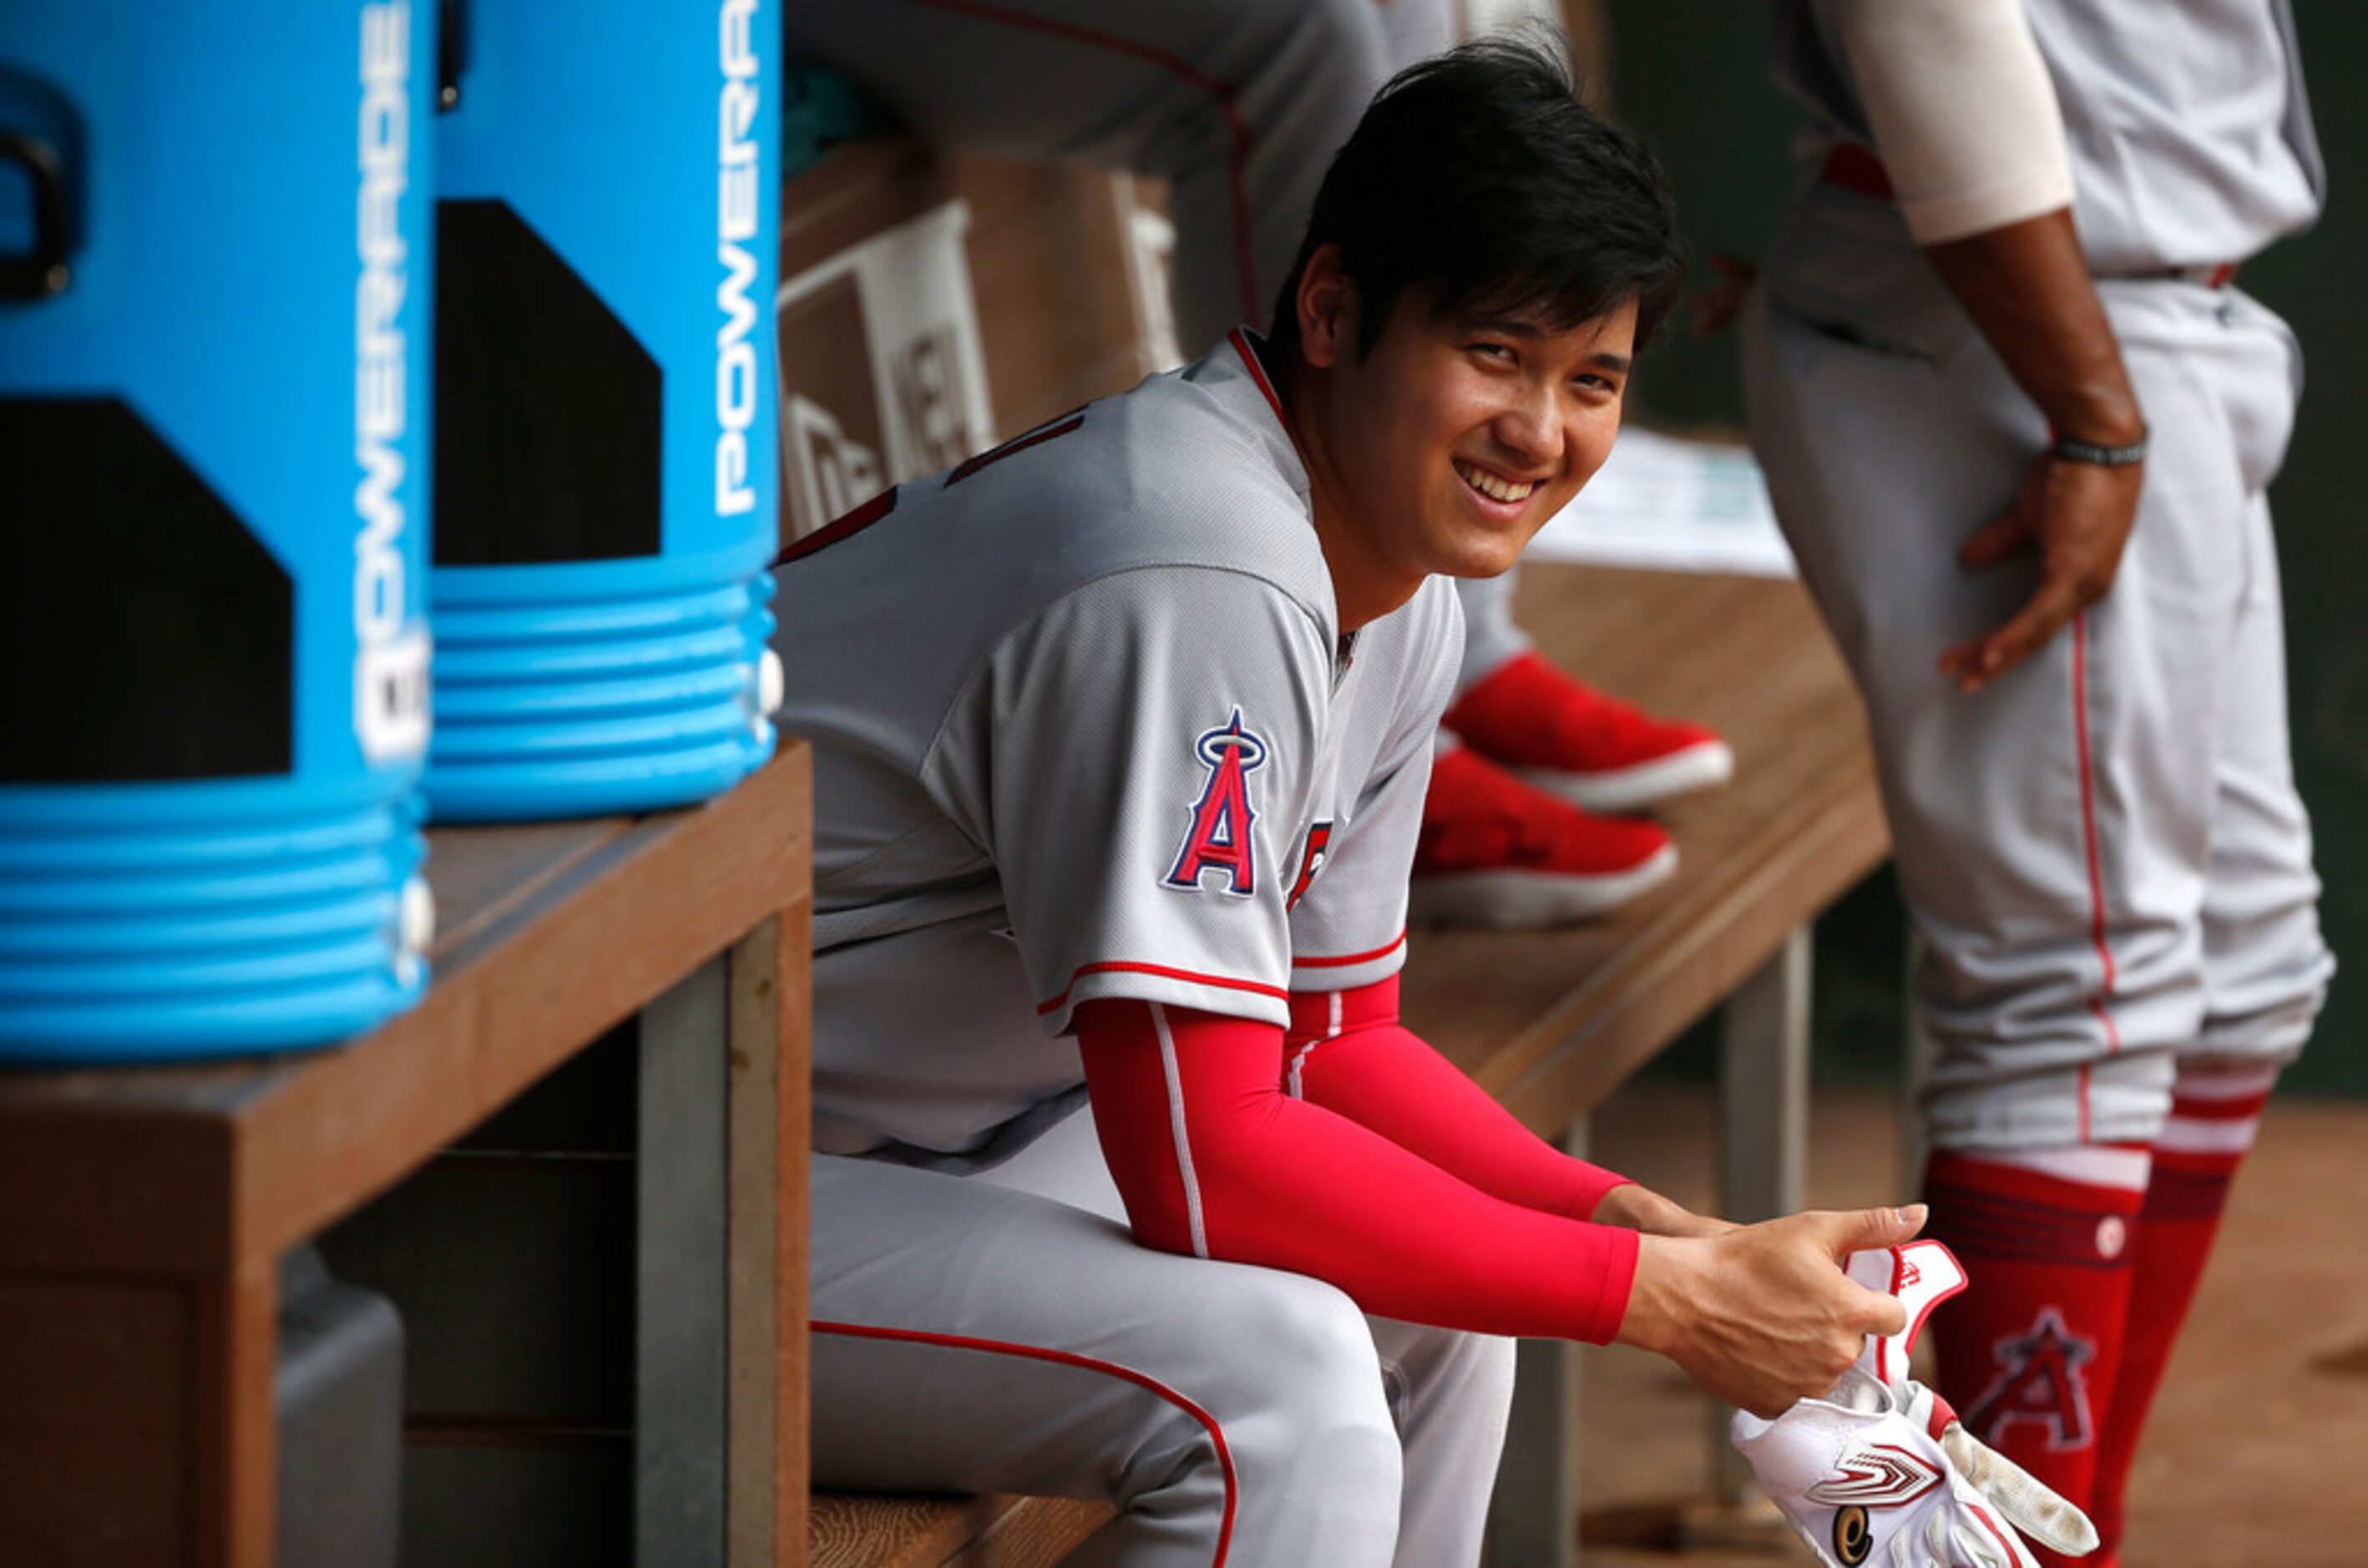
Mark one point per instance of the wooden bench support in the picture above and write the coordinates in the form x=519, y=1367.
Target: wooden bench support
x=680, y=1276
x=1763, y=1131
x=770, y=1134
x=1533, y=1515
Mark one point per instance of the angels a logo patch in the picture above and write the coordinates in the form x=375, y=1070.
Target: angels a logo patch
x=1319, y=849
x=2039, y=1380
x=1218, y=838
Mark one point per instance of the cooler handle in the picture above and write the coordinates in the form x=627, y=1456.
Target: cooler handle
x=41, y=271
x=451, y=51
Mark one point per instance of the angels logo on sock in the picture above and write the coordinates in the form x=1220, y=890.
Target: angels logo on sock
x=2039, y=1380
x=1319, y=849
x=1219, y=837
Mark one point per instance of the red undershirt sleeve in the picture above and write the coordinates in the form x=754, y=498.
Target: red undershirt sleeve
x=1213, y=1158
x=1348, y=1053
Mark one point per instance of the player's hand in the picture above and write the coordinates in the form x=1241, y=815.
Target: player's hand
x=1640, y=1209
x=1763, y=1315
x=2079, y=516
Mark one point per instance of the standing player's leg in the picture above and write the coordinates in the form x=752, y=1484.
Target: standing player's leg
x=2052, y=832
x=2265, y=970
x=1239, y=104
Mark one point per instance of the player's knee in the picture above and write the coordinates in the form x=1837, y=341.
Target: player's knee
x=1333, y=49
x=1311, y=1352
x=2266, y=1011
x=1479, y=1369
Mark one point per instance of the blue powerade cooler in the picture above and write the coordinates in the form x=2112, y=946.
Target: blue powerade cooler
x=214, y=318
x=607, y=468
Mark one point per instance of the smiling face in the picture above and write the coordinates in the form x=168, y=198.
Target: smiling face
x=1454, y=440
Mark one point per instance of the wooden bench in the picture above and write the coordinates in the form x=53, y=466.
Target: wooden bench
x=144, y=1214
x=1554, y=1022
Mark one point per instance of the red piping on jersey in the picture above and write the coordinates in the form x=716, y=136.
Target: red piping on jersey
x=1858, y=170
x=1087, y=1363
x=1221, y=92
x=1344, y=960
x=1120, y=966
x=854, y=522
x=1241, y=342
x=2096, y=871
x=1017, y=444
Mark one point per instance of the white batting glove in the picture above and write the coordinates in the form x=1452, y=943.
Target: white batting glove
x=1881, y=1471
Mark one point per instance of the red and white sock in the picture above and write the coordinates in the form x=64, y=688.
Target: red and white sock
x=2029, y=1353
x=2214, y=1116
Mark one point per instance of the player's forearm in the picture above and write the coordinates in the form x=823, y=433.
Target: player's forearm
x=1966, y=118
x=2026, y=288
x=1381, y=1075
x=1211, y=1158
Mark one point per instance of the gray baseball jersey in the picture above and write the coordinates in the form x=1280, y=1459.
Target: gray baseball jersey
x=2103, y=850
x=2187, y=126
x=1083, y=726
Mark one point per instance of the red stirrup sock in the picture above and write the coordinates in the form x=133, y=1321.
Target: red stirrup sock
x=2028, y=1354
x=2214, y=1115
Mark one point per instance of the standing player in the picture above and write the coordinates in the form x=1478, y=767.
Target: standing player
x=1121, y=733
x=1239, y=104
x=1977, y=417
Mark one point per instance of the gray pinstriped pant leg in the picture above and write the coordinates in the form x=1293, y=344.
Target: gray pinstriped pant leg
x=1019, y=1340
x=2104, y=851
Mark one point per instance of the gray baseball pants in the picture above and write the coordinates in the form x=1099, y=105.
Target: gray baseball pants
x=2104, y=851
x=1003, y=1332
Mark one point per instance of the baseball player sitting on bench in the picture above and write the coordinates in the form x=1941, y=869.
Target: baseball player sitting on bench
x=1122, y=732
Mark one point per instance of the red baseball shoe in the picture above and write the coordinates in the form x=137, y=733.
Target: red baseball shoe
x=1594, y=751
x=1493, y=851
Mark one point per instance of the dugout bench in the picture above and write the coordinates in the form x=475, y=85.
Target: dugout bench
x=144, y=1214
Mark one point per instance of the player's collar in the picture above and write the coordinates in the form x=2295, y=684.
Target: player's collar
x=1254, y=351
x=1240, y=364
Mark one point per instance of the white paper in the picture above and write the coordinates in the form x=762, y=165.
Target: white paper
x=1671, y=503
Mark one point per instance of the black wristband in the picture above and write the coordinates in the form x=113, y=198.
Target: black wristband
x=2067, y=450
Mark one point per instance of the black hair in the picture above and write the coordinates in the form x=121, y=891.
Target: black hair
x=1478, y=177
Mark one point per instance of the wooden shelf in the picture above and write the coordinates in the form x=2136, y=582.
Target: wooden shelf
x=172, y=1192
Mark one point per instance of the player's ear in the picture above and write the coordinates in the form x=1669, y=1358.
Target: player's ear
x=1326, y=304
